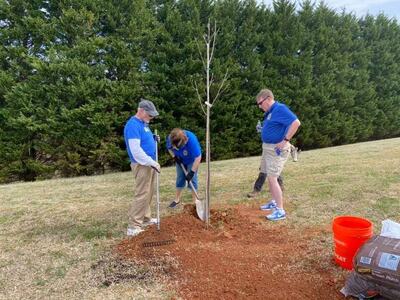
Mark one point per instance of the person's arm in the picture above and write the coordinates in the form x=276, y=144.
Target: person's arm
x=292, y=129
x=196, y=164
x=140, y=156
x=195, y=150
x=290, y=133
x=194, y=169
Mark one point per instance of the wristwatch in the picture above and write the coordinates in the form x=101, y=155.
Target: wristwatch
x=286, y=139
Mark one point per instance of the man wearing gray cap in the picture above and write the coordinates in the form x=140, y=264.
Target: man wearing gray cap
x=141, y=148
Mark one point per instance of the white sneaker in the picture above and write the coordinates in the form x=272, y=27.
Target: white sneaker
x=151, y=221
x=133, y=231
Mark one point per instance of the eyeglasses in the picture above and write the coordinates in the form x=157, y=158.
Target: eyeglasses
x=261, y=102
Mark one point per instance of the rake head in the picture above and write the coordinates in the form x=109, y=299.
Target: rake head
x=157, y=243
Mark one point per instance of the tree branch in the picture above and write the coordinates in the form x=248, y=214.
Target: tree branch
x=199, y=97
x=220, y=87
x=213, y=37
x=201, y=56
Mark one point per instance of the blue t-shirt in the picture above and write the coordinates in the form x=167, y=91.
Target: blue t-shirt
x=276, y=123
x=188, y=152
x=138, y=129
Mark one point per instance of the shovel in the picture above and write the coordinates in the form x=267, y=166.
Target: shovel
x=201, y=212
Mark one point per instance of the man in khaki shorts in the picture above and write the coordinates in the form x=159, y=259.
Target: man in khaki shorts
x=279, y=126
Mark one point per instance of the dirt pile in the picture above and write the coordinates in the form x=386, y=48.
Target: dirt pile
x=237, y=257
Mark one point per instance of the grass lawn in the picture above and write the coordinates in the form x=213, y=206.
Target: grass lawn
x=53, y=232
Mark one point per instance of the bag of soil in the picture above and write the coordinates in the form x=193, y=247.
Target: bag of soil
x=362, y=288
x=378, y=261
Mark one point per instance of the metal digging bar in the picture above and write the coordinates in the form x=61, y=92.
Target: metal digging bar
x=161, y=242
x=158, y=185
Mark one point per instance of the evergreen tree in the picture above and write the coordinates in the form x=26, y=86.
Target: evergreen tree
x=71, y=74
x=381, y=36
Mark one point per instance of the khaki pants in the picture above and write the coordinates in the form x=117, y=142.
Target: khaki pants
x=271, y=163
x=139, y=211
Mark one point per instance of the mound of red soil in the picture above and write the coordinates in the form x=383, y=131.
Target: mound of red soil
x=236, y=257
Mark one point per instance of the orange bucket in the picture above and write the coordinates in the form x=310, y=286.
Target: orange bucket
x=349, y=234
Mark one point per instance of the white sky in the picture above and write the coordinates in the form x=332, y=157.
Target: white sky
x=390, y=8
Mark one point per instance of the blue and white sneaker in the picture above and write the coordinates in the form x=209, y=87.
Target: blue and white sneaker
x=270, y=205
x=278, y=214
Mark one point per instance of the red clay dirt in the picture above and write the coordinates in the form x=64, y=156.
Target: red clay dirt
x=237, y=257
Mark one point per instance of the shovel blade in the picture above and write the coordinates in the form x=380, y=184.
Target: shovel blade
x=200, y=209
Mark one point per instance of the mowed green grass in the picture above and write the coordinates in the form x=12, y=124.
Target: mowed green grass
x=52, y=232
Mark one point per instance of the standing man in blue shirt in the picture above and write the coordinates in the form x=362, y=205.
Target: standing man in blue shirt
x=186, y=150
x=141, y=147
x=280, y=125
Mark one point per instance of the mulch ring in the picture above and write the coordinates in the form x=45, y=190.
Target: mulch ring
x=238, y=257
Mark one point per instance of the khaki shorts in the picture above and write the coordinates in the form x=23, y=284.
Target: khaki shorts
x=271, y=163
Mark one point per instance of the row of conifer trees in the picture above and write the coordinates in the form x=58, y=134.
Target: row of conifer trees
x=72, y=72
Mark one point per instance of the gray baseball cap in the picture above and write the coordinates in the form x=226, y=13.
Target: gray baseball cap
x=148, y=107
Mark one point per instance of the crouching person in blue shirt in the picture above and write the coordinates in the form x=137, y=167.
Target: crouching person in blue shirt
x=186, y=150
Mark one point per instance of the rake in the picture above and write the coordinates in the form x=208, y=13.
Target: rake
x=158, y=243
